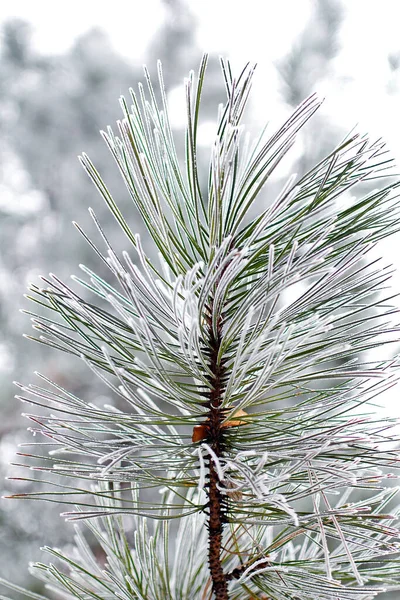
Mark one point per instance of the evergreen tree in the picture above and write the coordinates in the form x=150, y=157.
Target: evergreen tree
x=306, y=66
x=310, y=58
x=208, y=348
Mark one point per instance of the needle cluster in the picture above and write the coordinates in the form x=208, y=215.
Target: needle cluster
x=244, y=362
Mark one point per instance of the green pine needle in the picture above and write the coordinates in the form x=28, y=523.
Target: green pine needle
x=281, y=298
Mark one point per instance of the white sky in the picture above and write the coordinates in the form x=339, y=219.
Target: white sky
x=260, y=30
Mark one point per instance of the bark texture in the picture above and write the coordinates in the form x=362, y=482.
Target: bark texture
x=216, y=500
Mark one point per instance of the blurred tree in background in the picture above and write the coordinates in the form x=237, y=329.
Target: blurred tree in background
x=308, y=62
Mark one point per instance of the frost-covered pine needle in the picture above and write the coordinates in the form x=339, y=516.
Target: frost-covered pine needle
x=241, y=347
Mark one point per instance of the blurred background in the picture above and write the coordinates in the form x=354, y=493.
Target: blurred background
x=63, y=67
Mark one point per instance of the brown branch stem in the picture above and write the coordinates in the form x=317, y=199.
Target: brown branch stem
x=216, y=500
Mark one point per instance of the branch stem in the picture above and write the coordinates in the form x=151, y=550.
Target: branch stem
x=216, y=500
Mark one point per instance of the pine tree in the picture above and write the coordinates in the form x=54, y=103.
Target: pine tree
x=205, y=478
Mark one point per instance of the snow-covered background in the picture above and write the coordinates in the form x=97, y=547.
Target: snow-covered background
x=63, y=66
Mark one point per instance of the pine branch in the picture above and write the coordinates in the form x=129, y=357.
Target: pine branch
x=242, y=395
